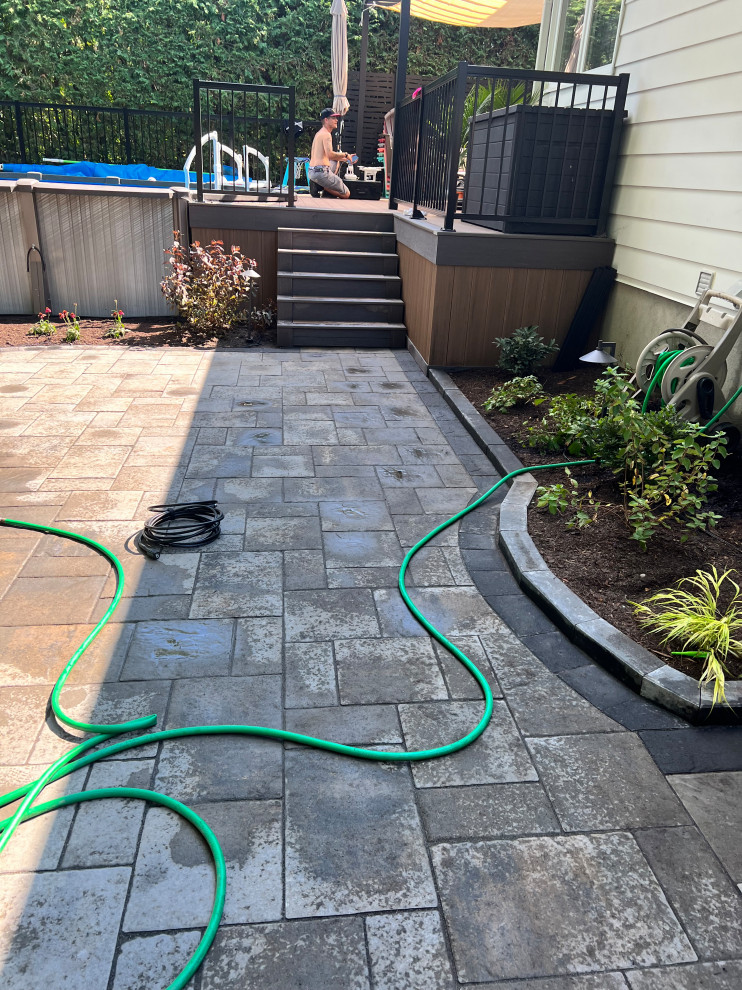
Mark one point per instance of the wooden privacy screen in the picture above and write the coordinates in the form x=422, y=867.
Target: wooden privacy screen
x=453, y=313
x=379, y=100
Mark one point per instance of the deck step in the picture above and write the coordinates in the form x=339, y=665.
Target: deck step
x=339, y=288
x=328, y=333
x=349, y=262
x=339, y=285
x=337, y=240
x=304, y=217
x=336, y=309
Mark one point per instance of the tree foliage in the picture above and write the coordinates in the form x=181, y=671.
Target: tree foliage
x=144, y=53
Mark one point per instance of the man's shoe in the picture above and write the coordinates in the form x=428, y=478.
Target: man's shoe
x=315, y=190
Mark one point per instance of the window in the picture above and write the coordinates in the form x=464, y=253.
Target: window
x=578, y=35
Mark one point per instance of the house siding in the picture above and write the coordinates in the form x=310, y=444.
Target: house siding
x=677, y=208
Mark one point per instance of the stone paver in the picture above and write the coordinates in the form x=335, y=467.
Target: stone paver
x=551, y=854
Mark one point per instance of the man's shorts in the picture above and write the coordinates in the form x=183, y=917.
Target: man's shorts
x=322, y=175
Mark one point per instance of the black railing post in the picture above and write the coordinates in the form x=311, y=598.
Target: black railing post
x=394, y=177
x=127, y=137
x=454, y=143
x=197, y=140
x=416, y=214
x=290, y=148
x=619, y=103
x=19, y=132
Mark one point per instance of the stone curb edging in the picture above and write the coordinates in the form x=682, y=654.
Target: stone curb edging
x=611, y=648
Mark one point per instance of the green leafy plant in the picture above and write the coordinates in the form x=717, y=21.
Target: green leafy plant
x=72, y=324
x=523, y=350
x=118, y=329
x=45, y=327
x=690, y=613
x=516, y=392
x=557, y=498
x=211, y=288
x=662, y=463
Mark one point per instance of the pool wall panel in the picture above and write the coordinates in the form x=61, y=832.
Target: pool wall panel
x=15, y=287
x=100, y=248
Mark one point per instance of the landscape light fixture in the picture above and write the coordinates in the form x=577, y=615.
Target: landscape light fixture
x=604, y=353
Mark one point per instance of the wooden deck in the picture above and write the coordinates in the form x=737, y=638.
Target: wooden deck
x=349, y=205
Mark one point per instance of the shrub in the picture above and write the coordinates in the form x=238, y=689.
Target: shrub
x=521, y=352
x=662, y=463
x=516, y=392
x=210, y=287
x=558, y=498
x=45, y=327
x=690, y=614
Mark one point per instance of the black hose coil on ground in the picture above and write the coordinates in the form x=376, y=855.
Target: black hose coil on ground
x=183, y=526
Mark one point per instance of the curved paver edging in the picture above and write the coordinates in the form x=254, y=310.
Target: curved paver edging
x=613, y=649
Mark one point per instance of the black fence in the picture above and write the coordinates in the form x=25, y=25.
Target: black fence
x=31, y=133
x=511, y=149
x=244, y=139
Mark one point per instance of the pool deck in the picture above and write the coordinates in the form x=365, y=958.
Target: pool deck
x=558, y=852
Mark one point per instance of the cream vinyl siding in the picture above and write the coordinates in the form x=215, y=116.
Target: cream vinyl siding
x=677, y=208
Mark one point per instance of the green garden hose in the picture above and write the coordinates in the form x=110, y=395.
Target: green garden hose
x=76, y=759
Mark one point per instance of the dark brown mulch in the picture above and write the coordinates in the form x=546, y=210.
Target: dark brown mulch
x=602, y=564
x=140, y=333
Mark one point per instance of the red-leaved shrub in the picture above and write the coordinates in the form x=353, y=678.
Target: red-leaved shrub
x=212, y=288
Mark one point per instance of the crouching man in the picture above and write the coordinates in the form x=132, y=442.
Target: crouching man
x=324, y=160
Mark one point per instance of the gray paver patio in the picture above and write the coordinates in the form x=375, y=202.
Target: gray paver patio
x=552, y=854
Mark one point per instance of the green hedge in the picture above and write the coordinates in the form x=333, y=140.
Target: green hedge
x=144, y=53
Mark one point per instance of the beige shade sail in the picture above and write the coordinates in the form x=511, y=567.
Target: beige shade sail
x=476, y=13
x=339, y=55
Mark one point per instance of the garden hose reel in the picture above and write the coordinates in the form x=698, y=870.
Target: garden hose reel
x=693, y=372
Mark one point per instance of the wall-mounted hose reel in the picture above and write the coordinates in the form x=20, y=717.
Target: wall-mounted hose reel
x=689, y=373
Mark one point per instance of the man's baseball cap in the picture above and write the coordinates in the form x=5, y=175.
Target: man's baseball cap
x=328, y=112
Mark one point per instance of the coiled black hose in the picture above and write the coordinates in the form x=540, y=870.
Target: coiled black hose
x=184, y=525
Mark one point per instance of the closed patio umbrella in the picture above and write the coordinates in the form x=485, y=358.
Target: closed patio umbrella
x=339, y=55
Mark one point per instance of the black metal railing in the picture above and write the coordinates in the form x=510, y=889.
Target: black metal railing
x=31, y=133
x=511, y=149
x=244, y=139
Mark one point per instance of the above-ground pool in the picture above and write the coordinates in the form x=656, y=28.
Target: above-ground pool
x=127, y=175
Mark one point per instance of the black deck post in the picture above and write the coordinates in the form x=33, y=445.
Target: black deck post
x=290, y=148
x=404, y=44
x=197, y=140
x=399, y=88
x=454, y=143
x=362, y=83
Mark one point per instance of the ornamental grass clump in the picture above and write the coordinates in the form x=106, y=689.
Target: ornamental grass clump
x=211, y=288
x=690, y=614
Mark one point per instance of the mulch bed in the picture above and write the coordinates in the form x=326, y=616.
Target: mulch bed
x=601, y=564
x=140, y=333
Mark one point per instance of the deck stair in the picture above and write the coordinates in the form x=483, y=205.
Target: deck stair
x=339, y=288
